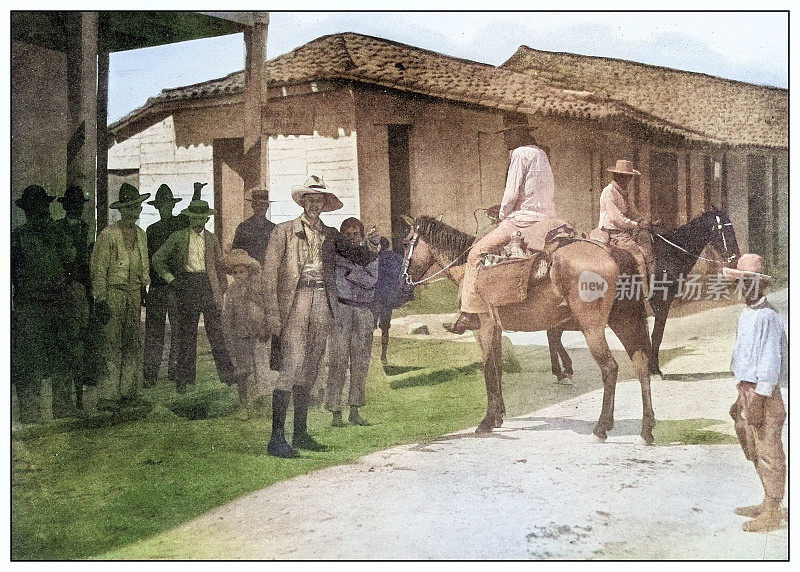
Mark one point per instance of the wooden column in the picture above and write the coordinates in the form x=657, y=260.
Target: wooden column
x=697, y=182
x=256, y=93
x=684, y=177
x=643, y=167
x=770, y=214
x=102, y=140
x=82, y=101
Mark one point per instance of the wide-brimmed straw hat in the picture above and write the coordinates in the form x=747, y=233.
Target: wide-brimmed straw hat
x=260, y=195
x=624, y=167
x=316, y=186
x=129, y=196
x=33, y=195
x=198, y=209
x=748, y=266
x=164, y=196
x=239, y=257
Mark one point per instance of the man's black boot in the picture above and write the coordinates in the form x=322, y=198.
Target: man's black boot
x=277, y=446
x=301, y=439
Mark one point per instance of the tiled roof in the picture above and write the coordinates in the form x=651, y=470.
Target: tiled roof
x=734, y=112
x=356, y=57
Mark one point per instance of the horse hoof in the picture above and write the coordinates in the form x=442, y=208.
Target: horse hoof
x=484, y=428
x=498, y=422
x=564, y=381
x=598, y=438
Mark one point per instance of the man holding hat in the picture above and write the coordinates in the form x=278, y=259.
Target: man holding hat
x=300, y=301
x=120, y=272
x=528, y=199
x=191, y=261
x=760, y=363
x=161, y=297
x=619, y=218
x=43, y=341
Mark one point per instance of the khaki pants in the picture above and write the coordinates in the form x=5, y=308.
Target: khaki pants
x=303, y=338
x=123, y=345
x=763, y=445
x=351, y=347
x=490, y=243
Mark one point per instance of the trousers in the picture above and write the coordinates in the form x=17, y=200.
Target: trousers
x=351, y=348
x=193, y=297
x=160, y=307
x=763, y=445
x=123, y=345
x=303, y=338
x=498, y=237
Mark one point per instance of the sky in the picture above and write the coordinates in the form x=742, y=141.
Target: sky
x=751, y=46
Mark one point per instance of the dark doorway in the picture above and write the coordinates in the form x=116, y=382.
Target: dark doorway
x=757, y=204
x=664, y=188
x=399, y=182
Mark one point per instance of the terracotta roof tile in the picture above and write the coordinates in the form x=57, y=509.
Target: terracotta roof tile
x=735, y=112
x=356, y=57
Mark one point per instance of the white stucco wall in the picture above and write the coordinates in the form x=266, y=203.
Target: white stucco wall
x=293, y=158
x=159, y=160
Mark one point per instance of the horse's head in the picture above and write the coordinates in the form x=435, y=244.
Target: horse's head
x=417, y=255
x=723, y=237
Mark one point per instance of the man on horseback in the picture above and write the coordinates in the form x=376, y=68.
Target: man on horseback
x=528, y=199
x=619, y=220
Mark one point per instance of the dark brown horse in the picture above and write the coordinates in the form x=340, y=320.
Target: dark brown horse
x=674, y=254
x=551, y=302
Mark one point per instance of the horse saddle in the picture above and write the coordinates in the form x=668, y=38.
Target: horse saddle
x=508, y=281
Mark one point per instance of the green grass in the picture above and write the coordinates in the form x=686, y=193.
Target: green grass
x=690, y=432
x=85, y=489
x=440, y=297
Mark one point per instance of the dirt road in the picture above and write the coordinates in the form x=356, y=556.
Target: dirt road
x=539, y=487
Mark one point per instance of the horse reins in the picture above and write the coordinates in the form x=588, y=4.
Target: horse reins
x=719, y=226
x=407, y=262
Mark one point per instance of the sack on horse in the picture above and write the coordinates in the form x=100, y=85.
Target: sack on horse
x=507, y=281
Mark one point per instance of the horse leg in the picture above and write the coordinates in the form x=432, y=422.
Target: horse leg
x=488, y=338
x=500, y=410
x=632, y=332
x=598, y=346
x=566, y=361
x=660, y=312
x=555, y=347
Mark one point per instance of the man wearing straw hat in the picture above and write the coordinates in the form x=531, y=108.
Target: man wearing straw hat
x=300, y=301
x=760, y=363
x=528, y=199
x=161, y=296
x=620, y=218
x=120, y=272
x=191, y=261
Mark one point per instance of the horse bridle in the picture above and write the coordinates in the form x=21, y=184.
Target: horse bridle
x=407, y=262
x=718, y=227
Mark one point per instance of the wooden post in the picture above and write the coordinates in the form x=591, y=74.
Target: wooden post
x=102, y=140
x=82, y=102
x=683, y=187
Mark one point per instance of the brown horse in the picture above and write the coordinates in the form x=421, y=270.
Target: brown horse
x=556, y=301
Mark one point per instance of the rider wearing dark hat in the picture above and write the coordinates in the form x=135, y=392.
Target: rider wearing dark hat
x=161, y=296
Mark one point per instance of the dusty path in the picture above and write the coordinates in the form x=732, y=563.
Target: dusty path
x=539, y=487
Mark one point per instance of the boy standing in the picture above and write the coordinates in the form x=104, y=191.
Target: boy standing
x=759, y=362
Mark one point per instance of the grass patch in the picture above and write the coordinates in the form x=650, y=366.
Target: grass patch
x=439, y=297
x=98, y=491
x=691, y=432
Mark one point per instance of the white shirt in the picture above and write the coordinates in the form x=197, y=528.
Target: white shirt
x=529, y=187
x=614, y=209
x=196, y=260
x=760, y=355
